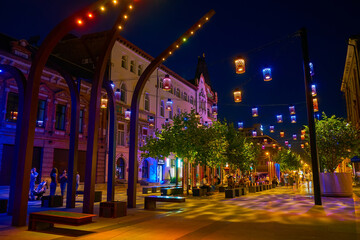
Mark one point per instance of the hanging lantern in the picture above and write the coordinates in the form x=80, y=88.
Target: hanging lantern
x=267, y=74
x=272, y=128
x=263, y=147
x=282, y=133
x=289, y=145
x=240, y=125
x=127, y=114
x=254, y=133
x=294, y=137
x=303, y=132
x=166, y=83
x=302, y=145
x=292, y=109
x=104, y=102
x=197, y=115
x=306, y=144
x=237, y=95
x=199, y=124
x=166, y=122
x=293, y=119
x=240, y=65
x=315, y=104
x=302, y=137
x=280, y=148
x=112, y=84
x=311, y=66
x=265, y=140
x=169, y=105
x=286, y=143
x=151, y=121
x=254, y=111
x=279, y=118
x=117, y=94
x=13, y=115
x=214, y=109
x=206, y=124
x=274, y=146
x=313, y=90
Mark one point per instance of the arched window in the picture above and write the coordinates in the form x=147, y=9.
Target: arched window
x=185, y=96
x=147, y=102
x=162, y=107
x=120, y=168
x=132, y=66
x=178, y=92
x=124, y=62
x=192, y=100
x=145, y=169
x=123, y=93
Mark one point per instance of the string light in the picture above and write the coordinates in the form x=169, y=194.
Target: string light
x=130, y=7
x=115, y=2
x=90, y=15
x=125, y=16
x=192, y=32
x=199, y=25
x=102, y=8
x=120, y=27
x=79, y=21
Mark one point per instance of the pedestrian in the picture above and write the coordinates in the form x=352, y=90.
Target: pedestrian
x=63, y=181
x=77, y=180
x=41, y=189
x=33, y=176
x=286, y=179
x=53, y=184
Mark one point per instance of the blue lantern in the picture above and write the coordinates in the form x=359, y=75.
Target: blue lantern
x=240, y=125
x=311, y=66
x=293, y=119
x=267, y=74
x=279, y=118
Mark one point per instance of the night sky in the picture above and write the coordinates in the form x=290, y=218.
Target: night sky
x=238, y=28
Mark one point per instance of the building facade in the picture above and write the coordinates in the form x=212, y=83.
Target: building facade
x=126, y=64
x=350, y=85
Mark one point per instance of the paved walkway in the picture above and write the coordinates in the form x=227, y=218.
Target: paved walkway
x=280, y=213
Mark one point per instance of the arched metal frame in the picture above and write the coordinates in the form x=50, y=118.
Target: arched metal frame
x=21, y=85
x=25, y=139
x=133, y=150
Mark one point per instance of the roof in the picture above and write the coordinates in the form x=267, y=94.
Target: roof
x=202, y=69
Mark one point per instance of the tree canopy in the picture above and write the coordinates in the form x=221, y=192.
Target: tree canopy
x=288, y=160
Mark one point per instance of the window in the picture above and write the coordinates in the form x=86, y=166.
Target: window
x=124, y=62
x=178, y=92
x=147, y=102
x=120, y=135
x=12, y=107
x=185, y=96
x=192, y=100
x=162, y=107
x=132, y=66
x=81, y=121
x=120, y=168
x=171, y=114
x=40, y=120
x=178, y=111
x=145, y=169
x=123, y=93
x=161, y=84
x=60, y=117
x=139, y=70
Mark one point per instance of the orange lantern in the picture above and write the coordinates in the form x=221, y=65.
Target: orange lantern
x=272, y=128
x=303, y=132
x=302, y=145
x=237, y=95
x=282, y=133
x=240, y=65
x=315, y=104
x=302, y=137
x=274, y=146
x=104, y=102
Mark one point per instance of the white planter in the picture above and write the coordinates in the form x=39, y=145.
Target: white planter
x=336, y=184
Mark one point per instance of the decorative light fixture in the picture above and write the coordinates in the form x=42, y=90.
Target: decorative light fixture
x=280, y=148
x=214, y=109
x=240, y=125
x=267, y=74
x=254, y=111
x=117, y=94
x=169, y=105
x=279, y=118
x=315, y=105
x=167, y=122
x=237, y=95
x=313, y=90
x=104, y=102
x=282, y=133
x=274, y=146
x=302, y=145
x=303, y=132
x=197, y=115
x=265, y=140
x=294, y=137
x=289, y=145
x=293, y=119
x=127, y=114
x=311, y=66
x=302, y=137
x=254, y=133
x=292, y=109
x=240, y=65
x=206, y=124
x=286, y=143
x=167, y=83
x=151, y=121
x=112, y=84
x=272, y=128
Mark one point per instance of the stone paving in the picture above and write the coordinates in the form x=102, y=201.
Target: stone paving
x=281, y=213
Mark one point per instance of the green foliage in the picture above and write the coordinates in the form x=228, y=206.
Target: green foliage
x=336, y=140
x=288, y=160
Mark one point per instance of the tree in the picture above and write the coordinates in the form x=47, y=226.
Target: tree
x=288, y=160
x=336, y=140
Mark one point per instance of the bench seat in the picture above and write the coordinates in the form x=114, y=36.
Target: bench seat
x=47, y=219
x=150, y=201
x=97, y=198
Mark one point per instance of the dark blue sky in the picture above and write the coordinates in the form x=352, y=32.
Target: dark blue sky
x=237, y=27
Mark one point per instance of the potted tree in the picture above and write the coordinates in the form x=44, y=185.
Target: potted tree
x=336, y=141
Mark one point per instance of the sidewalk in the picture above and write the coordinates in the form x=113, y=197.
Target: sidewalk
x=280, y=213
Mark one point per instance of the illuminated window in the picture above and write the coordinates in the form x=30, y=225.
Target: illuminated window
x=12, y=107
x=40, y=120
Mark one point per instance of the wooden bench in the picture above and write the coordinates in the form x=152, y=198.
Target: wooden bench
x=222, y=189
x=150, y=201
x=147, y=190
x=198, y=192
x=97, y=198
x=229, y=193
x=252, y=189
x=171, y=191
x=47, y=219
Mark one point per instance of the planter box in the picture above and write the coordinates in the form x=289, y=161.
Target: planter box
x=113, y=209
x=336, y=184
x=52, y=201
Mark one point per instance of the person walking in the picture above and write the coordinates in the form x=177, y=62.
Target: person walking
x=63, y=181
x=53, y=184
x=33, y=176
x=77, y=180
